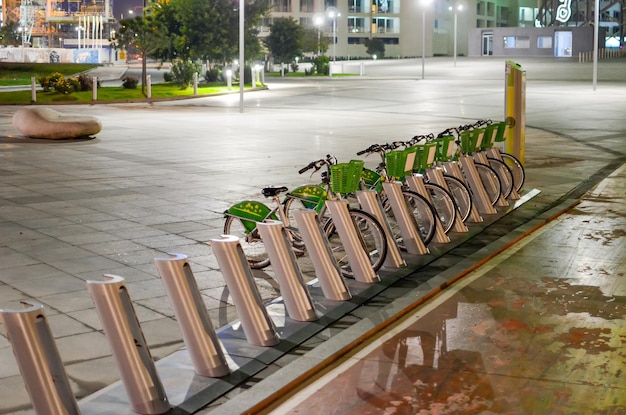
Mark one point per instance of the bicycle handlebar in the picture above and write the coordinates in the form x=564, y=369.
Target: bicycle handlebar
x=317, y=164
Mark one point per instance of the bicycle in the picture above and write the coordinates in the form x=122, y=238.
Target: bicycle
x=466, y=144
x=394, y=165
x=430, y=160
x=495, y=132
x=242, y=219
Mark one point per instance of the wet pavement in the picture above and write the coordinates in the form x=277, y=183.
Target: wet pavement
x=538, y=329
x=159, y=176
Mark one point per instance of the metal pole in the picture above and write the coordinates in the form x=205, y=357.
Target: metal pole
x=596, y=18
x=334, y=38
x=319, y=40
x=242, y=4
x=423, y=38
x=455, y=19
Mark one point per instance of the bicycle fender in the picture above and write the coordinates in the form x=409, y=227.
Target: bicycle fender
x=311, y=195
x=372, y=179
x=249, y=209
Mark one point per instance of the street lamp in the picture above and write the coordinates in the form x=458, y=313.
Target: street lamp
x=425, y=4
x=458, y=8
x=318, y=21
x=333, y=13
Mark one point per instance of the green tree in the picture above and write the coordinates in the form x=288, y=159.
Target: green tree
x=310, y=40
x=285, y=39
x=147, y=35
x=209, y=29
x=165, y=13
x=9, y=36
x=375, y=46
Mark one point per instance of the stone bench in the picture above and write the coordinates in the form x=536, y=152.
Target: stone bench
x=41, y=122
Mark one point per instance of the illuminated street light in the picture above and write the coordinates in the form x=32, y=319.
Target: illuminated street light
x=333, y=14
x=458, y=8
x=318, y=21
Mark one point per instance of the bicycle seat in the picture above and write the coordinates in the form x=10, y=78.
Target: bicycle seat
x=273, y=191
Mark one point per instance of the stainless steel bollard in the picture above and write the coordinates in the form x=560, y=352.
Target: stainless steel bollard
x=326, y=268
x=357, y=258
x=453, y=169
x=408, y=228
x=476, y=185
x=33, y=89
x=370, y=202
x=198, y=332
x=38, y=360
x=292, y=287
x=416, y=184
x=255, y=321
x=436, y=176
x=128, y=345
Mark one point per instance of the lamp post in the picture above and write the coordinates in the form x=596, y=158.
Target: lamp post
x=333, y=13
x=457, y=8
x=242, y=61
x=318, y=21
x=425, y=3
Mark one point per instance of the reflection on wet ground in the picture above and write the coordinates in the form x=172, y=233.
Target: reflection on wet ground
x=540, y=329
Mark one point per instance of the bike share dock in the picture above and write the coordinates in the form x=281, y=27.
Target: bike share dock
x=298, y=353
x=305, y=345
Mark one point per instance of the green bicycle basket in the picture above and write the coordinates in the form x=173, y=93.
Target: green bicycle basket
x=471, y=140
x=400, y=162
x=346, y=177
x=445, y=148
x=425, y=156
x=501, y=131
x=493, y=133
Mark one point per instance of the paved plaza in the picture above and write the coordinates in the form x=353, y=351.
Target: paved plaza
x=159, y=176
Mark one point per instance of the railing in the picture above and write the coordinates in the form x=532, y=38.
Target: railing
x=604, y=53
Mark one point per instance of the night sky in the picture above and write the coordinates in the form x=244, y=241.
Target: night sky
x=123, y=6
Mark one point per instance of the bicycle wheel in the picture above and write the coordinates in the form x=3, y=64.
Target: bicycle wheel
x=443, y=204
x=371, y=236
x=519, y=174
x=490, y=181
x=293, y=204
x=250, y=241
x=461, y=195
x=422, y=212
x=504, y=174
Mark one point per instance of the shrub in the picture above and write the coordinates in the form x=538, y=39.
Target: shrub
x=67, y=86
x=47, y=82
x=130, y=82
x=374, y=47
x=167, y=76
x=86, y=82
x=321, y=65
x=212, y=75
x=183, y=71
x=294, y=67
